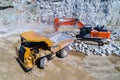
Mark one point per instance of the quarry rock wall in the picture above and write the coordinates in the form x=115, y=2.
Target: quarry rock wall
x=91, y=12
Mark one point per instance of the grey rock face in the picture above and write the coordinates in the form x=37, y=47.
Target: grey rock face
x=92, y=12
x=89, y=11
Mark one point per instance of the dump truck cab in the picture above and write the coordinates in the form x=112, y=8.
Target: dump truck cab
x=31, y=45
x=37, y=49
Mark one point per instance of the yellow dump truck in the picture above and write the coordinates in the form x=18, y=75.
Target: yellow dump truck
x=37, y=49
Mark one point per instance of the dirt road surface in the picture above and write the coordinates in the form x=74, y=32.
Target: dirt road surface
x=75, y=66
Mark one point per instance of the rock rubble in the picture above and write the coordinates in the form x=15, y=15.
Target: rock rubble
x=87, y=49
x=105, y=50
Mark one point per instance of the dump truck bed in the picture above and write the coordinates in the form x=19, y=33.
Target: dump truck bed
x=59, y=36
x=60, y=40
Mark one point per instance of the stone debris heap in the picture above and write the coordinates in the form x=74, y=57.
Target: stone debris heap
x=87, y=49
x=105, y=50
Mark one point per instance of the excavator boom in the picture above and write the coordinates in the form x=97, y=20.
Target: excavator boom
x=66, y=21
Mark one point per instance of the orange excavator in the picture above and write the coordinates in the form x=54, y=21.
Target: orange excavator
x=97, y=34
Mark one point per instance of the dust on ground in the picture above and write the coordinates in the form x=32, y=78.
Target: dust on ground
x=75, y=66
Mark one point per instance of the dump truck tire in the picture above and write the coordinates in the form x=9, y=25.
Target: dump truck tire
x=43, y=62
x=62, y=53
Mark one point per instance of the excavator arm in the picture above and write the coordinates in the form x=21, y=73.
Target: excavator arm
x=66, y=21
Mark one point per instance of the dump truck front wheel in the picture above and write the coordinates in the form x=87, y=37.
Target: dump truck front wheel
x=43, y=62
x=62, y=53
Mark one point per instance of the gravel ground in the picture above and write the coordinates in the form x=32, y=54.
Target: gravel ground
x=76, y=66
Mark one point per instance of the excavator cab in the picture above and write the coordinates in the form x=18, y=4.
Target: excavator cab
x=85, y=31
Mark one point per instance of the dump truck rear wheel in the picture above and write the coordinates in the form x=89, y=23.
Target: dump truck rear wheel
x=62, y=53
x=43, y=62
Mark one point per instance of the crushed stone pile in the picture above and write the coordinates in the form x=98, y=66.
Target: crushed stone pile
x=116, y=34
x=105, y=50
